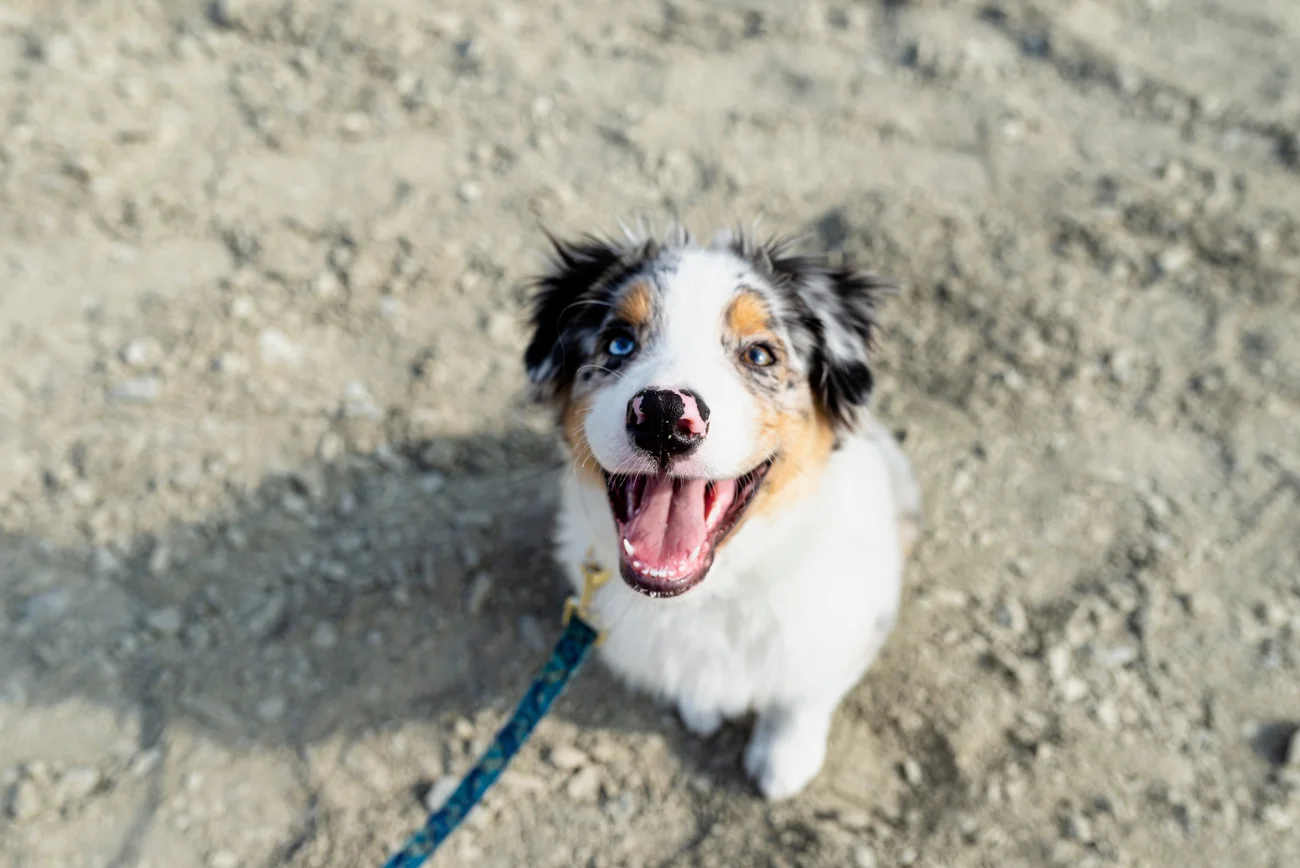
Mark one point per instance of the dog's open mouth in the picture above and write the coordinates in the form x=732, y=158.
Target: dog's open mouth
x=669, y=527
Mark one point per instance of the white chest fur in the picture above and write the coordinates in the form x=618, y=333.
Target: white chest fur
x=793, y=611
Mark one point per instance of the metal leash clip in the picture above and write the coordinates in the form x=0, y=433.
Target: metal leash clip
x=593, y=577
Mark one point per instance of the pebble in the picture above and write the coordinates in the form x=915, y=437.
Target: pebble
x=272, y=708
x=584, y=786
x=267, y=617
x=167, y=622
x=76, y=785
x=1077, y=827
x=275, y=348
x=1174, y=259
x=478, y=593
x=138, y=390
x=567, y=758
x=532, y=633
x=1058, y=662
x=324, y=636
x=469, y=192
x=912, y=772
x=1073, y=689
x=1293, y=751
x=25, y=800
x=440, y=792
x=142, y=352
x=46, y=607
x=224, y=859
x=864, y=857
x=144, y=762
x=1011, y=614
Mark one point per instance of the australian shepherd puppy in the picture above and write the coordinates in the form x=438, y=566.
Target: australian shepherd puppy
x=712, y=397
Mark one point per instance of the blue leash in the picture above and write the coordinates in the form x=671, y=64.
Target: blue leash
x=574, y=646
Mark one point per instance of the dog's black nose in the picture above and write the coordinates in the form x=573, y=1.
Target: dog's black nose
x=667, y=423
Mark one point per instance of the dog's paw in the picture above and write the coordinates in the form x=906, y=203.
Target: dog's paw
x=786, y=752
x=702, y=722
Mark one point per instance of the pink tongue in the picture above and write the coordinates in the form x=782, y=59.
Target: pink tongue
x=669, y=525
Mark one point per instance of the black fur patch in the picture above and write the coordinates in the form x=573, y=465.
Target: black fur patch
x=832, y=313
x=571, y=305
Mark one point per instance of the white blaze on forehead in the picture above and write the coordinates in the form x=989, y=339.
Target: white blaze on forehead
x=687, y=351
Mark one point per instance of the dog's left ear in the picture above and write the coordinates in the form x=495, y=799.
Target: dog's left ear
x=839, y=311
x=566, y=311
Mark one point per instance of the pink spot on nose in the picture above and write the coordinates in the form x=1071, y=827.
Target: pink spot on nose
x=636, y=410
x=691, y=421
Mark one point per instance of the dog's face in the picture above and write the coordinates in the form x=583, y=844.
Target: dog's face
x=698, y=384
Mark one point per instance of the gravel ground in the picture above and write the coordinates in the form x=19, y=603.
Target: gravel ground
x=273, y=507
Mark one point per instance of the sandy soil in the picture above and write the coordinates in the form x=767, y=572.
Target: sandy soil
x=272, y=506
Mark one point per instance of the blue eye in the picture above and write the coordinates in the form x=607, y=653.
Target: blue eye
x=621, y=345
x=760, y=356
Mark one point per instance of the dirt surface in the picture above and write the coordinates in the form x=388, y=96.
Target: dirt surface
x=273, y=508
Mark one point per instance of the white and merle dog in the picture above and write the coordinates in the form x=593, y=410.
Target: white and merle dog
x=712, y=399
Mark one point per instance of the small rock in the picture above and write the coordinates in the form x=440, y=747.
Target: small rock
x=469, y=192
x=144, y=762
x=1058, y=662
x=355, y=124
x=267, y=618
x=1174, y=259
x=324, y=636
x=330, y=447
x=230, y=363
x=75, y=785
x=568, y=758
x=1078, y=828
x=46, y=607
x=584, y=786
x=1011, y=614
x=912, y=772
x=272, y=708
x=142, y=352
x=25, y=800
x=500, y=328
x=275, y=348
x=478, y=593
x=358, y=404
x=326, y=285
x=138, y=390
x=1073, y=689
x=530, y=630
x=167, y=622
x=242, y=307
x=1108, y=715
x=1293, y=751
x=864, y=857
x=440, y=792
x=224, y=859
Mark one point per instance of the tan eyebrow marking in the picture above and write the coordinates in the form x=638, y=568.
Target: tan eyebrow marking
x=747, y=315
x=636, y=306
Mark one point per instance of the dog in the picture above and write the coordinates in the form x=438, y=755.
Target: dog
x=712, y=397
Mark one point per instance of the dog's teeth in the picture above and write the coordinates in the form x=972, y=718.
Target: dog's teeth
x=627, y=547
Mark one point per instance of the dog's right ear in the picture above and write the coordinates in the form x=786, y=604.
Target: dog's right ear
x=566, y=310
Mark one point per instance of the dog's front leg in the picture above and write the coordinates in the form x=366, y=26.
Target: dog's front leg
x=788, y=747
x=700, y=720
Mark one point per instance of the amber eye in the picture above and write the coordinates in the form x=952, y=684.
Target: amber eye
x=759, y=355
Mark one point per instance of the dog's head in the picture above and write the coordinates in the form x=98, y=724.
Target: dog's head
x=698, y=383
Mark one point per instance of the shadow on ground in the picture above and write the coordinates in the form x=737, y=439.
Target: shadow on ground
x=416, y=584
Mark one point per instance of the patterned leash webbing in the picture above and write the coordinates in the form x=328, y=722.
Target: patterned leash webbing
x=575, y=644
